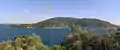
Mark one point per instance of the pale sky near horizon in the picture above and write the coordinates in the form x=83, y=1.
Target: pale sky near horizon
x=30, y=11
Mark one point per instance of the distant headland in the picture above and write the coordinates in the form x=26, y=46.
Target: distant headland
x=63, y=22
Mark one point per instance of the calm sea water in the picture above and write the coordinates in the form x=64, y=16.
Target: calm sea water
x=48, y=36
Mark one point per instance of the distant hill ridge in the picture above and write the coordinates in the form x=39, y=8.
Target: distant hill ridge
x=67, y=21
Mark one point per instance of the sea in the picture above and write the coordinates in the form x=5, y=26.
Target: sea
x=49, y=36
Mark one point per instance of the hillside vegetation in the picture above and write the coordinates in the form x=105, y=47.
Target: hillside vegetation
x=67, y=21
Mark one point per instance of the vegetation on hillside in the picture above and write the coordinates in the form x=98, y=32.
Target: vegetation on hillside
x=67, y=21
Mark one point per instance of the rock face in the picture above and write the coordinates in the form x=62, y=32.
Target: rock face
x=69, y=36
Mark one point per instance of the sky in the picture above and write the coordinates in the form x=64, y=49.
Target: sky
x=32, y=11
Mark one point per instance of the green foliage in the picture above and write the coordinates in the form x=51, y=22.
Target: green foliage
x=32, y=42
x=56, y=47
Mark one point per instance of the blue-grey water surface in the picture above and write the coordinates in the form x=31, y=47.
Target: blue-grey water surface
x=48, y=36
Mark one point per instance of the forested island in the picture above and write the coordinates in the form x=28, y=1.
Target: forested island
x=63, y=22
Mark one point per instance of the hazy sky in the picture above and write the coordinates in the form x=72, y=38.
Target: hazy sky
x=29, y=11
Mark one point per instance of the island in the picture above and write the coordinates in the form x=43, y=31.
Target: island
x=63, y=22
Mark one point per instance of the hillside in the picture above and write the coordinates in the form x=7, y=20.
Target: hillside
x=66, y=21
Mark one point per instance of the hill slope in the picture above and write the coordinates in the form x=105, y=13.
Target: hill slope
x=66, y=21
